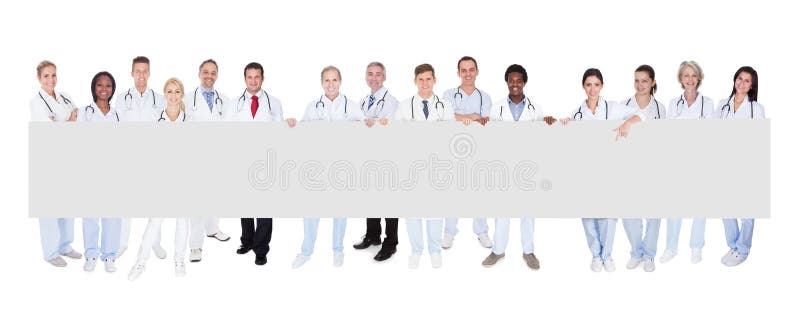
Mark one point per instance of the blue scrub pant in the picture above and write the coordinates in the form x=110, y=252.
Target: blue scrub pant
x=310, y=226
x=600, y=236
x=501, y=228
x=56, y=235
x=434, y=228
x=696, y=241
x=642, y=247
x=479, y=226
x=739, y=239
x=108, y=241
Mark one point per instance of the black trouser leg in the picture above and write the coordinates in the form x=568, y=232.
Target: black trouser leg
x=391, y=233
x=248, y=229
x=263, y=236
x=373, y=229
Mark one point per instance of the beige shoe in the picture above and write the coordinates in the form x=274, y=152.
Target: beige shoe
x=72, y=254
x=58, y=262
x=531, y=261
x=492, y=259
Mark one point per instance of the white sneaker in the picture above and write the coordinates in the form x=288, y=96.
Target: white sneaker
x=160, y=252
x=72, y=254
x=137, y=270
x=609, y=265
x=486, y=242
x=447, y=241
x=299, y=261
x=195, y=255
x=180, y=269
x=110, y=266
x=597, y=265
x=58, y=262
x=338, y=259
x=649, y=265
x=436, y=260
x=633, y=263
x=734, y=260
x=668, y=255
x=90, y=264
x=413, y=261
x=727, y=256
x=697, y=255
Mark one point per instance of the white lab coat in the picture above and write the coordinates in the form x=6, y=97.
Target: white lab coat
x=269, y=108
x=134, y=106
x=502, y=112
x=92, y=113
x=654, y=111
x=197, y=108
x=606, y=110
x=340, y=109
x=44, y=106
x=702, y=108
x=162, y=117
x=385, y=105
x=438, y=110
x=748, y=109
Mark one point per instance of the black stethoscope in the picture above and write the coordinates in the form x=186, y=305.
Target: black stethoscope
x=531, y=110
x=319, y=111
x=90, y=113
x=163, y=116
x=728, y=105
x=53, y=114
x=579, y=113
x=435, y=106
x=244, y=98
x=378, y=105
x=217, y=100
x=658, y=111
x=461, y=97
x=128, y=95
x=681, y=101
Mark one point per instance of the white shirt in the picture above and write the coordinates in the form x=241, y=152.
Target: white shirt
x=654, y=111
x=412, y=109
x=197, y=108
x=531, y=111
x=270, y=108
x=385, y=105
x=44, y=106
x=748, y=109
x=340, y=109
x=92, y=113
x=134, y=106
x=701, y=108
x=479, y=102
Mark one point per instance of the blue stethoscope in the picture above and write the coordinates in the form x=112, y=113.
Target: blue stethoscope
x=579, y=115
x=378, y=105
x=243, y=98
x=128, y=95
x=53, y=114
x=531, y=110
x=163, y=116
x=217, y=101
x=90, y=113
x=658, y=111
x=681, y=102
x=460, y=96
x=320, y=112
x=728, y=106
x=435, y=106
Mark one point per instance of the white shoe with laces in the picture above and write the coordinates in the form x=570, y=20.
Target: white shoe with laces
x=649, y=265
x=668, y=255
x=110, y=266
x=195, y=255
x=136, y=271
x=609, y=265
x=180, y=269
x=734, y=260
x=485, y=241
x=90, y=264
x=597, y=265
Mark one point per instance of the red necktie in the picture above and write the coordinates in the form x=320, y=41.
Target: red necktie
x=254, y=105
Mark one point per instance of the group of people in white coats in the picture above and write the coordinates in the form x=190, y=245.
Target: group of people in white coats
x=465, y=104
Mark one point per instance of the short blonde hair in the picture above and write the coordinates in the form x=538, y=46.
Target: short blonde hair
x=176, y=81
x=42, y=65
x=696, y=67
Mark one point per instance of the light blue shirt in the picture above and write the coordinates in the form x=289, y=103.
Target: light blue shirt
x=516, y=108
x=479, y=102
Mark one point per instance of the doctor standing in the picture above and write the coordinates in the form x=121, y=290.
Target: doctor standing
x=741, y=104
x=139, y=104
x=103, y=88
x=516, y=107
x=255, y=105
x=331, y=106
x=468, y=102
x=690, y=105
x=379, y=104
x=205, y=103
x=56, y=234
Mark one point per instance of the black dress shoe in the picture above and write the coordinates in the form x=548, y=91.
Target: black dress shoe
x=367, y=242
x=261, y=260
x=243, y=250
x=384, y=254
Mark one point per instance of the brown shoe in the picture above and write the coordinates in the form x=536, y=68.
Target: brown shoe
x=492, y=259
x=531, y=261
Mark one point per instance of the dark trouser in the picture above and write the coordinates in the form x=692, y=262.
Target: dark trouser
x=257, y=237
x=374, y=231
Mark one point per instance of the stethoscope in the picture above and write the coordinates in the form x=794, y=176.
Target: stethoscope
x=217, y=100
x=681, y=101
x=90, y=113
x=531, y=110
x=378, y=105
x=435, y=106
x=128, y=105
x=243, y=98
x=53, y=114
x=163, y=116
x=728, y=105
x=658, y=111
x=460, y=96
x=579, y=113
x=320, y=113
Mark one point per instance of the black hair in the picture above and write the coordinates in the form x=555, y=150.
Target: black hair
x=515, y=68
x=97, y=78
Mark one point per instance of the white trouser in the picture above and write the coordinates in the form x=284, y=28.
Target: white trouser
x=125, y=235
x=501, y=229
x=414, y=227
x=199, y=229
x=153, y=232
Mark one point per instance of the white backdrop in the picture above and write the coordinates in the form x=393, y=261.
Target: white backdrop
x=294, y=40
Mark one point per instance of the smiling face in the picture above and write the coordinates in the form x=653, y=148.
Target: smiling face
x=643, y=83
x=103, y=89
x=592, y=86
x=141, y=73
x=375, y=78
x=208, y=75
x=173, y=94
x=48, y=79
x=467, y=72
x=743, y=83
x=331, y=83
x=424, y=82
x=690, y=80
x=253, y=79
x=515, y=84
